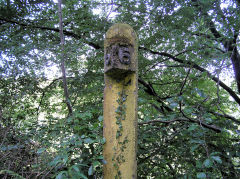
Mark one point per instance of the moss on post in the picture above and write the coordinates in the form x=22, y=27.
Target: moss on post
x=120, y=102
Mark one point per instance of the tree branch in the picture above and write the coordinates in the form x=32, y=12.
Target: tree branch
x=65, y=32
x=225, y=116
x=96, y=46
x=150, y=90
x=161, y=121
x=184, y=82
x=201, y=123
x=194, y=65
x=229, y=45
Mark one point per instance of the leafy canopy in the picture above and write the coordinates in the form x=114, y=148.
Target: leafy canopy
x=189, y=84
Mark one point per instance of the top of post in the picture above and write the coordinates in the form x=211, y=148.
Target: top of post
x=120, y=51
x=121, y=32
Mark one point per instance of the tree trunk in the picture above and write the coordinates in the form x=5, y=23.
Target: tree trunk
x=235, y=59
x=65, y=87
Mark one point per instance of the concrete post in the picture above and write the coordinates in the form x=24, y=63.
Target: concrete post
x=120, y=102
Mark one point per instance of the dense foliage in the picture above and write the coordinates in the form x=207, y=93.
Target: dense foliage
x=189, y=84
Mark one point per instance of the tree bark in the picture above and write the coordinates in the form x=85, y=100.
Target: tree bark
x=235, y=59
x=65, y=87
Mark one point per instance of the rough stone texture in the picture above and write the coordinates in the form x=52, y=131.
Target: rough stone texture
x=120, y=76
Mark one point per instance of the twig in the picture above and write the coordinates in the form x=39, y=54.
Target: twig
x=184, y=82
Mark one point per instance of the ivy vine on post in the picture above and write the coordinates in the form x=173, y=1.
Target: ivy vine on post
x=120, y=102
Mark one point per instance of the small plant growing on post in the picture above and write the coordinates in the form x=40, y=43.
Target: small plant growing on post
x=120, y=102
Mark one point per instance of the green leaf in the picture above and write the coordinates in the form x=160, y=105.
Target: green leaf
x=207, y=163
x=90, y=170
x=100, y=118
x=96, y=164
x=82, y=175
x=201, y=175
x=41, y=150
x=84, y=165
x=173, y=105
x=15, y=175
x=188, y=110
x=65, y=159
x=215, y=153
x=62, y=175
x=75, y=167
x=200, y=93
x=104, y=162
x=76, y=173
x=141, y=100
x=3, y=148
x=59, y=159
x=55, y=161
x=103, y=140
x=217, y=159
x=84, y=116
x=193, y=148
x=70, y=119
x=118, y=110
x=198, y=164
x=100, y=157
x=208, y=120
x=88, y=141
x=192, y=127
x=197, y=141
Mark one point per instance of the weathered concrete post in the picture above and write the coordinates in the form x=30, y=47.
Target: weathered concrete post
x=120, y=102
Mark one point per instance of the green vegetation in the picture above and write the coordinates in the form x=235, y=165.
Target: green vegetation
x=189, y=85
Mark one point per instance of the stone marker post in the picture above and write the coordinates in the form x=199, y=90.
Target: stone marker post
x=120, y=102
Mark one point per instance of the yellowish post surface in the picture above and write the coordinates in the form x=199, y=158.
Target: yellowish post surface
x=120, y=102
